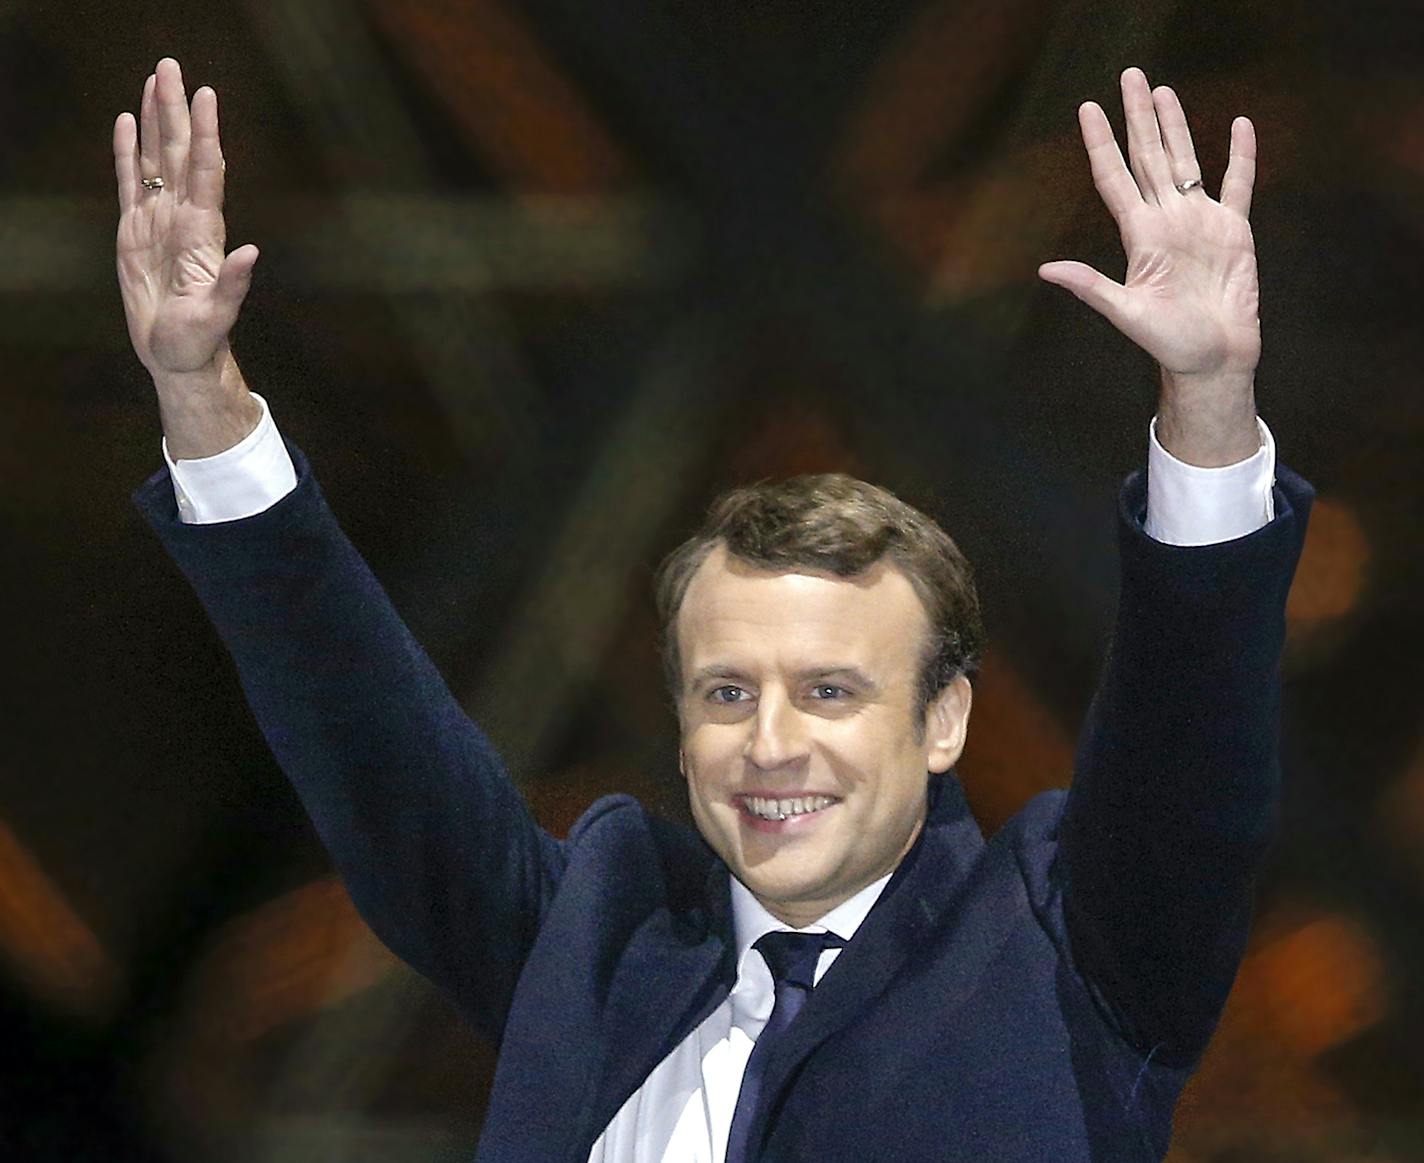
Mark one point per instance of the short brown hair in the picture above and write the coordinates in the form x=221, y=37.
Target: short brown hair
x=835, y=523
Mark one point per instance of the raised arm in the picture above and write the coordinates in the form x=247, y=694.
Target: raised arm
x=409, y=797
x=1174, y=794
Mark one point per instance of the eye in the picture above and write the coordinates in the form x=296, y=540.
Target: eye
x=828, y=691
x=727, y=694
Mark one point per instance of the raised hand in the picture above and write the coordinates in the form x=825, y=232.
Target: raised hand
x=1190, y=295
x=181, y=291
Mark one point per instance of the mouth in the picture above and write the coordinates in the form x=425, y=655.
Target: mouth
x=780, y=814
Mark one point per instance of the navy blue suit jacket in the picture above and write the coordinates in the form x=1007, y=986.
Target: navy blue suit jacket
x=1040, y=996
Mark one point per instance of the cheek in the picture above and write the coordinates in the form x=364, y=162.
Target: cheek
x=889, y=770
x=705, y=759
x=872, y=752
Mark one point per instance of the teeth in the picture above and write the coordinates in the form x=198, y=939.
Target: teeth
x=769, y=809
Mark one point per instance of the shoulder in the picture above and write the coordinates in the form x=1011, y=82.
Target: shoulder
x=1031, y=834
x=619, y=834
x=1029, y=841
x=606, y=816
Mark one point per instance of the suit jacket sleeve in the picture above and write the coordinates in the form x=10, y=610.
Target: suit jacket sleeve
x=439, y=852
x=1174, y=796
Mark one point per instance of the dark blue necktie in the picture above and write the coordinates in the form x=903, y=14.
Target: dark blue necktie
x=792, y=959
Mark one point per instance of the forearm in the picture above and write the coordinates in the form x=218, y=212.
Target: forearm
x=407, y=794
x=1174, y=796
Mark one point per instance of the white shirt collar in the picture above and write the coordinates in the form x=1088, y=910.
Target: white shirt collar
x=751, y=921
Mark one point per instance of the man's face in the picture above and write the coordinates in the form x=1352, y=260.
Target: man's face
x=802, y=687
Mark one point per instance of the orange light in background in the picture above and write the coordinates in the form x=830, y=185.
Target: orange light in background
x=1015, y=748
x=47, y=945
x=1319, y=984
x=302, y=952
x=1333, y=569
x=791, y=437
x=290, y=958
x=1400, y=813
x=1310, y=982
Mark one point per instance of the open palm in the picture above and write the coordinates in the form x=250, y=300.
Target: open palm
x=181, y=293
x=1190, y=294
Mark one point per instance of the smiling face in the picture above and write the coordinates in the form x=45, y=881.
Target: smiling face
x=802, y=742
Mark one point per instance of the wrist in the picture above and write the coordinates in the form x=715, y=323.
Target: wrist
x=207, y=410
x=1208, y=420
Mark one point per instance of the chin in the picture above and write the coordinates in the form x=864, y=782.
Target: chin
x=790, y=889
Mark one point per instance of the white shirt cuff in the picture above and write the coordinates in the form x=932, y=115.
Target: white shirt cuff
x=1190, y=505
x=251, y=476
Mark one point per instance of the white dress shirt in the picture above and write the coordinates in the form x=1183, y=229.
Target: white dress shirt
x=683, y=1111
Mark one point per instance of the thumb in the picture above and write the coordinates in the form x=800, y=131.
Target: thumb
x=1103, y=295
x=235, y=277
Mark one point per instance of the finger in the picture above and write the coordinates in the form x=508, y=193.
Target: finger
x=1176, y=137
x=173, y=126
x=148, y=161
x=235, y=278
x=1102, y=294
x=1240, y=179
x=1145, y=152
x=205, y=165
x=1114, y=184
x=126, y=160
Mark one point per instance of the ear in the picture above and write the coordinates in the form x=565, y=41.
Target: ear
x=946, y=724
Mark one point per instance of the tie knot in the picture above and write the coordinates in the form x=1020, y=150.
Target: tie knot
x=792, y=957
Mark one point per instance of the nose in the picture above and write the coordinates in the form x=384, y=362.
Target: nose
x=778, y=737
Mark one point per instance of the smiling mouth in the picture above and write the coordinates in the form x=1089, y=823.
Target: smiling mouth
x=764, y=808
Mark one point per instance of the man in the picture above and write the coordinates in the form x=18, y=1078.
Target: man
x=838, y=966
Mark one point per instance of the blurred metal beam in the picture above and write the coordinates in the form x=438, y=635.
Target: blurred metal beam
x=475, y=245
x=366, y=137
x=344, y=1138
x=332, y=70
x=987, y=227
x=54, y=243
x=383, y=243
x=509, y=101
x=913, y=109
x=566, y=616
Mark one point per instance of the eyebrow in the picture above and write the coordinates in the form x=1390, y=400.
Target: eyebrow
x=847, y=674
x=850, y=674
x=705, y=674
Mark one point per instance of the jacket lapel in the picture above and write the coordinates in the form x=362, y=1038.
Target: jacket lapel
x=904, y=919
x=674, y=972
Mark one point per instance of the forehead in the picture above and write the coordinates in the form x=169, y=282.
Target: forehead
x=739, y=614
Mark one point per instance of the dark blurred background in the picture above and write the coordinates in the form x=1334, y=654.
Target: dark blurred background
x=537, y=281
